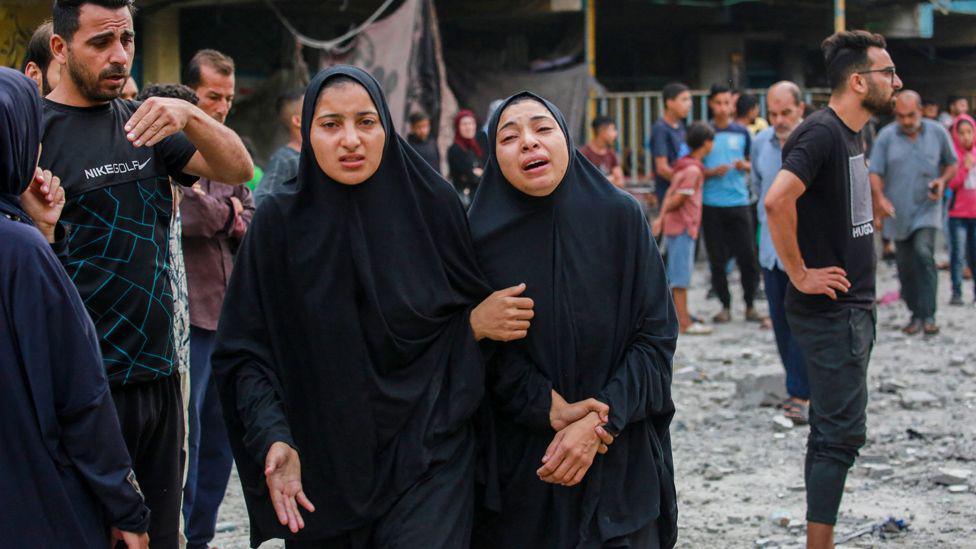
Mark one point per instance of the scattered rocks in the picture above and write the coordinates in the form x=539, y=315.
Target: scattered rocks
x=957, y=360
x=879, y=470
x=782, y=424
x=914, y=399
x=950, y=476
x=761, y=390
x=689, y=373
x=959, y=489
x=780, y=517
x=891, y=386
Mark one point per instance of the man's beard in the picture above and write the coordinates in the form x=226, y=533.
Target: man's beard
x=913, y=129
x=784, y=133
x=88, y=83
x=876, y=103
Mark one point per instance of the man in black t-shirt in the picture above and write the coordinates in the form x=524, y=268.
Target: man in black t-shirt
x=115, y=159
x=821, y=217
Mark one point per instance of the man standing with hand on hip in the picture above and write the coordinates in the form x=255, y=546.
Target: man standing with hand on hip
x=822, y=222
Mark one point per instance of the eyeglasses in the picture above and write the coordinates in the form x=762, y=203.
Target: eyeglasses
x=890, y=71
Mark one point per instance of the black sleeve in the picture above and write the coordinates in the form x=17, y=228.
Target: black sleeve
x=518, y=387
x=640, y=387
x=460, y=168
x=807, y=152
x=175, y=151
x=66, y=376
x=243, y=360
x=60, y=244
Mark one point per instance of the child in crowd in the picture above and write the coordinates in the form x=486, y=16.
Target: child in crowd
x=680, y=220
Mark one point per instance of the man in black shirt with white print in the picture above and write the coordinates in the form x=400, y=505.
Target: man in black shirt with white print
x=821, y=217
x=115, y=159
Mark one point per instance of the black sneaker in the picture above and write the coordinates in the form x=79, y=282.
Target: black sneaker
x=956, y=300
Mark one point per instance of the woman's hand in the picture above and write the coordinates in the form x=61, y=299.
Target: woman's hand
x=132, y=540
x=43, y=201
x=283, y=473
x=503, y=316
x=562, y=413
x=571, y=452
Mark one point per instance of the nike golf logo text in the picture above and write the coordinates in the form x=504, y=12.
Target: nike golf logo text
x=107, y=169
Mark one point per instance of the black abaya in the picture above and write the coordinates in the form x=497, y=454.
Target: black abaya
x=345, y=333
x=65, y=475
x=604, y=327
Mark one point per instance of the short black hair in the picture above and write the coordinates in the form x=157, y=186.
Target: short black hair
x=744, y=104
x=66, y=12
x=176, y=91
x=417, y=116
x=289, y=97
x=601, y=121
x=847, y=52
x=220, y=62
x=717, y=89
x=699, y=133
x=39, y=47
x=673, y=90
x=929, y=103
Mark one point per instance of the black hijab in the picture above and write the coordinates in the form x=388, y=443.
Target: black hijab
x=20, y=138
x=353, y=303
x=604, y=327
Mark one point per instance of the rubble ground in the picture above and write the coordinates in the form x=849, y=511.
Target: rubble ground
x=740, y=470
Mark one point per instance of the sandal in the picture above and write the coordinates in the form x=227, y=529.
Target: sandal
x=796, y=411
x=697, y=329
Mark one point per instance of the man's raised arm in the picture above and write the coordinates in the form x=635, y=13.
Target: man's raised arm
x=220, y=155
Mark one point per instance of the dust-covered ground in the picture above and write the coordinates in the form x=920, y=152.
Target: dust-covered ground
x=740, y=473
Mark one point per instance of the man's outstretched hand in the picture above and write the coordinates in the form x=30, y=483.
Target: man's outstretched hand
x=283, y=473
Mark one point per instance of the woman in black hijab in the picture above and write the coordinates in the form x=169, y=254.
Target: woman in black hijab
x=604, y=328
x=349, y=337
x=65, y=475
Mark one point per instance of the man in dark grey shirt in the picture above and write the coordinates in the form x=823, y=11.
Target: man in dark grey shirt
x=912, y=160
x=283, y=164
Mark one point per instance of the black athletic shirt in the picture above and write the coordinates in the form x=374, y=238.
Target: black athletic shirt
x=835, y=215
x=118, y=210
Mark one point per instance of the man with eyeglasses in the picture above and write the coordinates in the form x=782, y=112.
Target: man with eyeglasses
x=821, y=213
x=912, y=160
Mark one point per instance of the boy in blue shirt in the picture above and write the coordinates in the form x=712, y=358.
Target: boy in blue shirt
x=726, y=217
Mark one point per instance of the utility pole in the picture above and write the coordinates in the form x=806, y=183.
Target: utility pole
x=840, y=23
x=589, y=45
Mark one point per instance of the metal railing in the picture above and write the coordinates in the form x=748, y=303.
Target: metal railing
x=635, y=112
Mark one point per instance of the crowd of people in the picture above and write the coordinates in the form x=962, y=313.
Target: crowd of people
x=394, y=360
